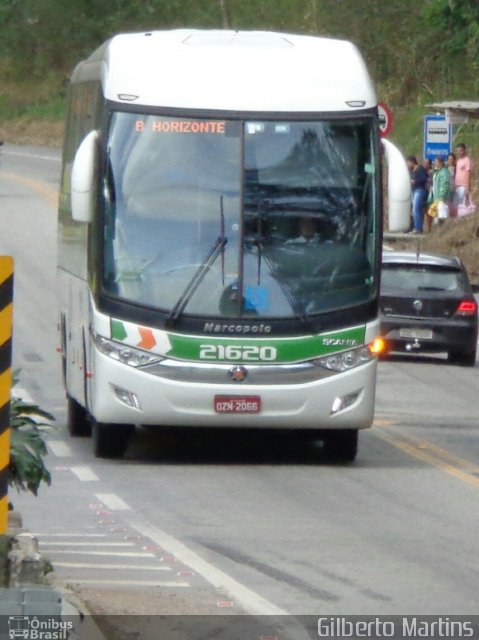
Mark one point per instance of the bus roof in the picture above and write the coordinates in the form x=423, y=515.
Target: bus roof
x=232, y=71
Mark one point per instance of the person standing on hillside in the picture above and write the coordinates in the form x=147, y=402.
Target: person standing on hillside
x=418, y=192
x=427, y=164
x=451, y=167
x=439, y=196
x=463, y=177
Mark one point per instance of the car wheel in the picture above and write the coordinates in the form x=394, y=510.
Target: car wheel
x=78, y=423
x=110, y=440
x=464, y=358
x=341, y=445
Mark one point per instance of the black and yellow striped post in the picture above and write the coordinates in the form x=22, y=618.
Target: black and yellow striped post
x=6, y=315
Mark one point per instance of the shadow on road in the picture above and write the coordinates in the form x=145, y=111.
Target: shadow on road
x=217, y=446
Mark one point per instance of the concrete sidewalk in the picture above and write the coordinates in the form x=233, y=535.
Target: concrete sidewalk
x=30, y=601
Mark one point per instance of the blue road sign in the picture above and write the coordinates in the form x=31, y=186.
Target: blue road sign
x=437, y=137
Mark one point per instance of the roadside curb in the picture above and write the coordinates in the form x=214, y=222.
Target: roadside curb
x=31, y=590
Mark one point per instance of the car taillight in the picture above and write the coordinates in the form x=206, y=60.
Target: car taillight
x=466, y=308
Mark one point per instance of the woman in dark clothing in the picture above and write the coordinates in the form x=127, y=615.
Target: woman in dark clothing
x=418, y=192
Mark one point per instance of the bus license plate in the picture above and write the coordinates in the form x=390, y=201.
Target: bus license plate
x=237, y=404
x=417, y=334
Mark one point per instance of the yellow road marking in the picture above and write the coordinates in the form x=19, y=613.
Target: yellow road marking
x=44, y=190
x=383, y=422
x=424, y=451
x=448, y=456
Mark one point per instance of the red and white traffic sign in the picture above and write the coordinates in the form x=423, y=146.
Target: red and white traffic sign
x=386, y=119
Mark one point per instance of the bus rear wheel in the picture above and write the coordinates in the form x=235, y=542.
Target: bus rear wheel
x=78, y=423
x=341, y=445
x=110, y=440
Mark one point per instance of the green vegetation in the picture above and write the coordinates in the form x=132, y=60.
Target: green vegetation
x=417, y=52
x=27, y=97
x=27, y=447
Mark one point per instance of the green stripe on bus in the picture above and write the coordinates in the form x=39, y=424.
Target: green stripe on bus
x=285, y=350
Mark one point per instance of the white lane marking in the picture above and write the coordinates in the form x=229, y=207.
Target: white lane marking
x=128, y=583
x=59, y=448
x=110, y=554
x=113, y=502
x=250, y=601
x=85, y=474
x=89, y=544
x=24, y=154
x=92, y=565
x=69, y=535
x=22, y=394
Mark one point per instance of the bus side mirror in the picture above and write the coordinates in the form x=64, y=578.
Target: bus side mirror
x=83, y=179
x=399, y=188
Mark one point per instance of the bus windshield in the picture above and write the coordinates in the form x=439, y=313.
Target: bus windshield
x=229, y=218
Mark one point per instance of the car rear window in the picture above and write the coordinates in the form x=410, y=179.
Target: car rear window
x=422, y=278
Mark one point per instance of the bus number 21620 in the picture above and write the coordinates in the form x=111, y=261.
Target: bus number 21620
x=235, y=353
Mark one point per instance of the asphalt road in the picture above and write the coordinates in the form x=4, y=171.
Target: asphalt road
x=241, y=523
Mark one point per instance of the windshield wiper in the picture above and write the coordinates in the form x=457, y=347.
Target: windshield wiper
x=217, y=249
x=274, y=269
x=295, y=304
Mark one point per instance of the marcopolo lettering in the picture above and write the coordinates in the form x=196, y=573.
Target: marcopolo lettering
x=243, y=329
x=181, y=126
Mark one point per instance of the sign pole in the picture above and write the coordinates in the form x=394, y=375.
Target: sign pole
x=6, y=317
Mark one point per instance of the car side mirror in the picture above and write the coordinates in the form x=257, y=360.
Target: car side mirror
x=84, y=179
x=399, y=188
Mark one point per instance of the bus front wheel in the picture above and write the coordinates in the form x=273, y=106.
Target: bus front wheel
x=341, y=445
x=110, y=440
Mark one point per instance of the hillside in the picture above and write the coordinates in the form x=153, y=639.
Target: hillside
x=42, y=40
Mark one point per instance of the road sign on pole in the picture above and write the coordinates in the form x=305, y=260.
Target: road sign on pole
x=386, y=119
x=437, y=136
x=6, y=304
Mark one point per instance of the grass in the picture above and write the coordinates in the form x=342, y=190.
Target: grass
x=40, y=97
x=33, y=111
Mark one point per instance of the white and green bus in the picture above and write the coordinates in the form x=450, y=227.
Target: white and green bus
x=220, y=228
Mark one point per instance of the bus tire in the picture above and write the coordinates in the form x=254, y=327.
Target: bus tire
x=78, y=423
x=341, y=445
x=110, y=440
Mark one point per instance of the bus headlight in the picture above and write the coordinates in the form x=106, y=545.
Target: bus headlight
x=345, y=360
x=125, y=354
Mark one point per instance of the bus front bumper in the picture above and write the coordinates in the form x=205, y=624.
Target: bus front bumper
x=123, y=394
